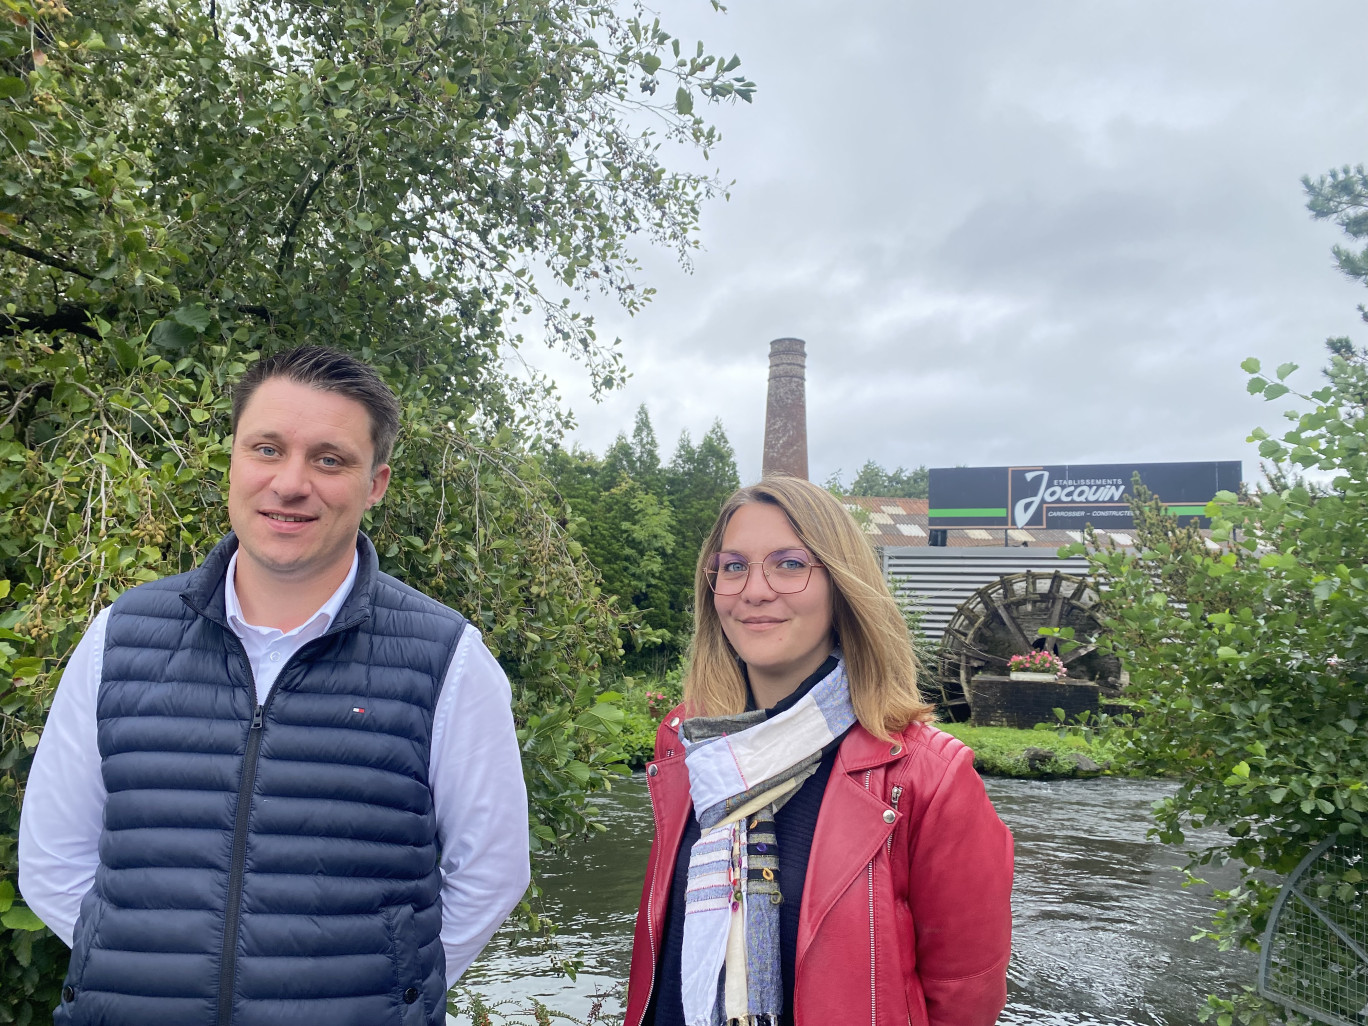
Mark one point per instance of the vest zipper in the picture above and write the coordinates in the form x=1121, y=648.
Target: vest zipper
x=228, y=966
x=241, y=820
x=238, y=863
x=869, y=872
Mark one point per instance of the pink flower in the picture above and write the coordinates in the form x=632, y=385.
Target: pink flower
x=1037, y=661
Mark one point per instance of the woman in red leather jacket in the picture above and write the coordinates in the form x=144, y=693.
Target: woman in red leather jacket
x=822, y=853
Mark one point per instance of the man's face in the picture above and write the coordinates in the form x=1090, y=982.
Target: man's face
x=301, y=477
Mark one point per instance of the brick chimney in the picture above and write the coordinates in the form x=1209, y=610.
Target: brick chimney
x=786, y=410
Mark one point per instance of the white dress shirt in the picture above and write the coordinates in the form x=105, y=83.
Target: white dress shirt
x=475, y=773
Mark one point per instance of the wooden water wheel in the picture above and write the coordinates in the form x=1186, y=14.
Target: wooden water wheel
x=1003, y=619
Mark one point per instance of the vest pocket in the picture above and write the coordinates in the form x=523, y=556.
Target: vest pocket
x=87, y=930
x=408, y=974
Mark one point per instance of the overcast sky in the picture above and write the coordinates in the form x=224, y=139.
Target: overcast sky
x=1009, y=232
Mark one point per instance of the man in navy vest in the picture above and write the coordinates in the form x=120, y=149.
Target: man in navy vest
x=283, y=787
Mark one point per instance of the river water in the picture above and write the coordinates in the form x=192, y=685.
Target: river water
x=1101, y=922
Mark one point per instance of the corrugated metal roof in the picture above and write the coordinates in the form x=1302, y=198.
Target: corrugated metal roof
x=903, y=522
x=892, y=522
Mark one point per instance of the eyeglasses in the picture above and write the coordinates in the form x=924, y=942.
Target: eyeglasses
x=786, y=570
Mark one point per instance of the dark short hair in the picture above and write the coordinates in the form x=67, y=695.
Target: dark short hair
x=329, y=370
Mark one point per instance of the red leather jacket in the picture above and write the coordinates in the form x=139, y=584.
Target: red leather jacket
x=906, y=915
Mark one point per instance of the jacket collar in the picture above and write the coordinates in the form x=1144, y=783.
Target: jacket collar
x=204, y=593
x=861, y=750
x=674, y=718
x=850, y=824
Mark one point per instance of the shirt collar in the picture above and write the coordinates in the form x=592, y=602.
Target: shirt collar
x=326, y=612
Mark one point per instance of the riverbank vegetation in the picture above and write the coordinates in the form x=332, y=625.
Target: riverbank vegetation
x=646, y=699
x=1248, y=658
x=185, y=185
x=1041, y=754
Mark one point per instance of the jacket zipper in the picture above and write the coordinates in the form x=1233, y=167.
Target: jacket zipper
x=897, y=794
x=873, y=1000
x=895, y=797
x=650, y=913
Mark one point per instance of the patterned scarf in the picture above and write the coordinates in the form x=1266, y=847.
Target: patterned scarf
x=742, y=769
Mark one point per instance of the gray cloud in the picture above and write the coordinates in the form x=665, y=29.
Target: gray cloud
x=960, y=207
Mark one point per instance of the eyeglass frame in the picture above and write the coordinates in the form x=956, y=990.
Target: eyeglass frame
x=711, y=574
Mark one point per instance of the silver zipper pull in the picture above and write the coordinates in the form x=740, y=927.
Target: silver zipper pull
x=893, y=797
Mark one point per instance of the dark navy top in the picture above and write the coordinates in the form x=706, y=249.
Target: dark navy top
x=793, y=827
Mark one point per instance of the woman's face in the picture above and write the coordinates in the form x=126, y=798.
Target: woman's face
x=782, y=638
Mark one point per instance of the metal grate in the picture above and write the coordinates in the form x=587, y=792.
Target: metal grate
x=1315, y=951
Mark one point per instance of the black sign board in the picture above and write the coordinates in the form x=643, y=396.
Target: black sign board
x=1069, y=496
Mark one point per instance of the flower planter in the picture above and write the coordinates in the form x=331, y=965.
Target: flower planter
x=1026, y=675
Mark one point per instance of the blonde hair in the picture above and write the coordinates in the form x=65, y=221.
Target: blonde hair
x=873, y=634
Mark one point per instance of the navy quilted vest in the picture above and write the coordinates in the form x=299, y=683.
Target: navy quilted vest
x=265, y=865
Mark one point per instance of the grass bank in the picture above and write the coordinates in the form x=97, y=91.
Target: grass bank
x=1043, y=754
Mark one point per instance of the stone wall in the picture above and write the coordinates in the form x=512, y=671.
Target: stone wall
x=1002, y=702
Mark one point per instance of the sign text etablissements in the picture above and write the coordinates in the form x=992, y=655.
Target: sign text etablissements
x=1067, y=497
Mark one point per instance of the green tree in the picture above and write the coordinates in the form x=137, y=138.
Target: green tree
x=1248, y=662
x=873, y=479
x=698, y=479
x=625, y=524
x=637, y=457
x=900, y=483
x=1342, y=196
x=356, y=171
x=642, y=525
x=186, y=184
x=1248, y=659
x=626, y=532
